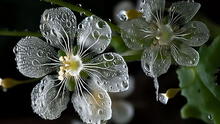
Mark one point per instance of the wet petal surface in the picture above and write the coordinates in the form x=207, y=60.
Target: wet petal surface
x=58, y=26
x=136, y=33
x=196, y=34
x=111, y=72
x=47, y=101
x=155, y=61
x=94, y=107
x=185, y=55
x=32, y=57
x=152, y=9
x=94, y=35
x=182, y=12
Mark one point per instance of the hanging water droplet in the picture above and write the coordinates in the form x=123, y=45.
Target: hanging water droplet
x=163, y=98
x=122, y=15
x=80, y=5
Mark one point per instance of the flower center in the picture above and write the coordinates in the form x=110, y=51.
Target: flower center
x=164, y=34
x=72, y=65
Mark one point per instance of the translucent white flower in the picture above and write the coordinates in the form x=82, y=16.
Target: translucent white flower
x=162, y=36
x=80, y=67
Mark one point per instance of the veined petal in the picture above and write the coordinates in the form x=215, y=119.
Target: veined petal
x=136, y=33
x=49, y=99
x=94, y=34
x=58, y=26
x=111, y=72
x=95, y=107
x=185, y=55
x=33, y=57
x=152, y=9
x=196, y=34
x=182, y=12
x=156, y=61
x=122, y=112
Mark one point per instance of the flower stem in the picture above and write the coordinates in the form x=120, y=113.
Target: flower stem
x=80, y=10
x=10, y=82
x=19, y=33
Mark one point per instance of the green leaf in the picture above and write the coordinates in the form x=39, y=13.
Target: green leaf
x=200, y=88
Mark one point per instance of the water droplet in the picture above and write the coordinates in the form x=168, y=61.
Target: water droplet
x=100, y=111
x=80, y=5
x=95, y=34
x=40, y=53
x=108, y=57
x=100, y=24
x=68, y=24
x=35, y=62
x=210, y=117
x=122, y=15
x=100, y=96
x=163, y=98
x=125, y=84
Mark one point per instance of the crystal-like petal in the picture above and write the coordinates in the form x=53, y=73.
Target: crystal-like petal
x=136, y=33
x=122, y=112
x=155, y=61
x=182, y=12
x=94, y=107
x=152, y=9
x=32, y=57
x=48, y=99
x=185, y=55
x=196, y=34
x=58, y=26
x=111, y=72
x=94, y=34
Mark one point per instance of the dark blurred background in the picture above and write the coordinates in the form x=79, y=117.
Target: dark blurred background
x=15, y=104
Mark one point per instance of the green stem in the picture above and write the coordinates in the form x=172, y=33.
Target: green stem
x=80, y=10
x=19, y=33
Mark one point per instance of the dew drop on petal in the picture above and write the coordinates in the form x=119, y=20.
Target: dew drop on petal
x=100, y=111
x=163, y=98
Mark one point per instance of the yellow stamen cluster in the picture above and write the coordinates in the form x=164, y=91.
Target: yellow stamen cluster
x=71, y=66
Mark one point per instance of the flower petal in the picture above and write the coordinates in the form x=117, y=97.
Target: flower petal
x=156, y=61
x=93, y=109
x=94, y=34
x=32, y=56
x=196, y=34
x=152, y=9
x=182, y=12
x=58, y=26
x=111, y=72
x=47, y=100
x=185, y=55
x=136, y=33
x=122, y=112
